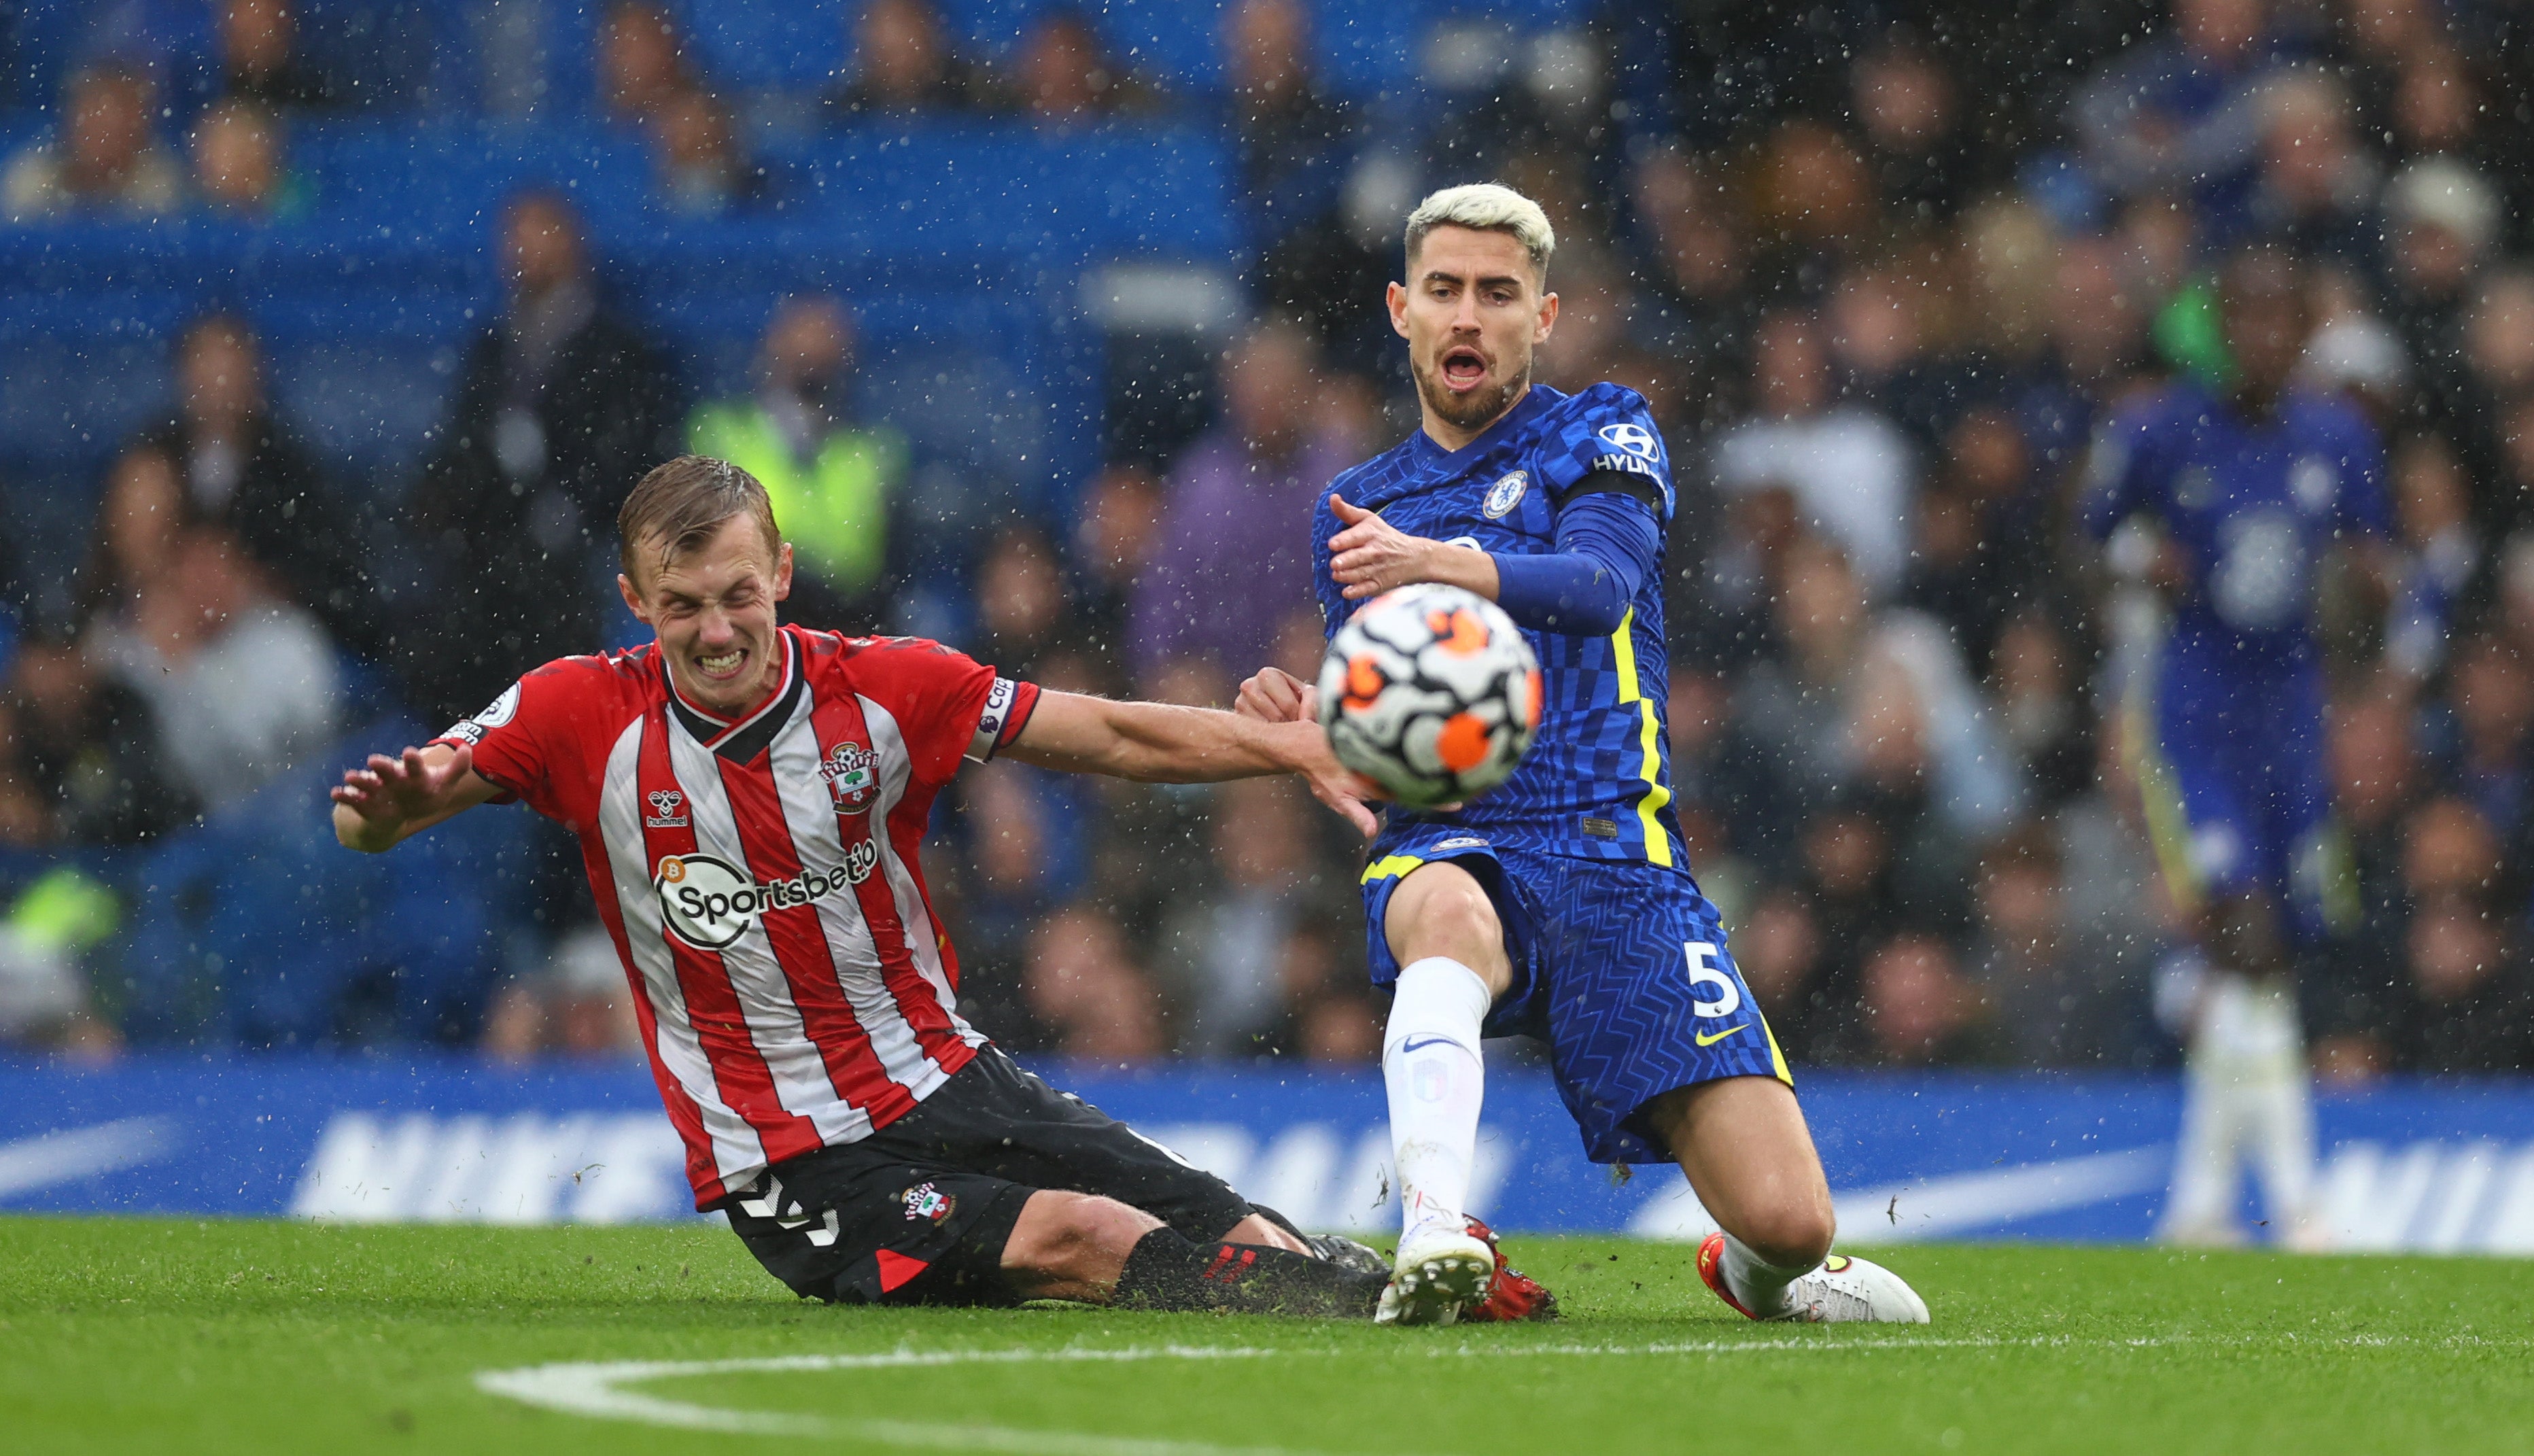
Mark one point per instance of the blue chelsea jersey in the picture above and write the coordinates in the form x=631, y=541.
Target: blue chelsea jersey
x=1597, y=783
x=2253, y=505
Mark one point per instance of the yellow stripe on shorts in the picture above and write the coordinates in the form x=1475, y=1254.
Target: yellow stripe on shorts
x=1623, y=656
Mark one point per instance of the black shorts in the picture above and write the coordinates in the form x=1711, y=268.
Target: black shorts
x=918, y=1212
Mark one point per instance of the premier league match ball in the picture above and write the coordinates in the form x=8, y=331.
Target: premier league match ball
x=1431, y=693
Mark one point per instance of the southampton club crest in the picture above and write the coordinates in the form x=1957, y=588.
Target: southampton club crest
x=925, y=1201
x=850, y=777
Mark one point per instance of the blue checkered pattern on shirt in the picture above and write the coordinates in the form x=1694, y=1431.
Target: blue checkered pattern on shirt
x=1597, y=783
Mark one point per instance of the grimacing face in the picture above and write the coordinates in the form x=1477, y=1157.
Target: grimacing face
x=1472, y=311
x=713, y=608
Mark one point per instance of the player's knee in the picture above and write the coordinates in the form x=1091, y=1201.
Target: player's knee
x=1443, y=910
x=1074, y=1238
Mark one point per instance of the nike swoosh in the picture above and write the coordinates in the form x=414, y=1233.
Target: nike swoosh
x=1417, y=1044
x=1709, y=1038
x=30, y=1164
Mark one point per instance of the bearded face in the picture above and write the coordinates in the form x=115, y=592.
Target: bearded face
x=1471, y=314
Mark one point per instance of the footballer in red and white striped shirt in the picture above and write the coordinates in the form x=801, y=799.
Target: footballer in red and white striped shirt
x=749, y=799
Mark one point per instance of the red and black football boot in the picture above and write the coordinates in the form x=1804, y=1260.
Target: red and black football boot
x=1512, y=1294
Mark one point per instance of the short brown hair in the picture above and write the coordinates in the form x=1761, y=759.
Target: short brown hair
x=680, y=505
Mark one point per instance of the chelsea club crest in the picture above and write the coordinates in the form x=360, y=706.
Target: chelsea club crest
x=1505, y=494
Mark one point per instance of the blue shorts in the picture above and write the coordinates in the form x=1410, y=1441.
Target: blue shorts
x=1621, y=968
x=2231, y=773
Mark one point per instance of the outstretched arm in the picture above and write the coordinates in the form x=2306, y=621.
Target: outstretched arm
x=381, y=806
x=1159, y=743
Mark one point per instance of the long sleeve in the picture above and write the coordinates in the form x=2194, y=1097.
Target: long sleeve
x=1608, y=542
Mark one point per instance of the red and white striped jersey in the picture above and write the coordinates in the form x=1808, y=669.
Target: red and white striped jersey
x=759, y=876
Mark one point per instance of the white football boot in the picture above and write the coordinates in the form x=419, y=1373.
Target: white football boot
x=1439, y=1272
x=1843, y=1291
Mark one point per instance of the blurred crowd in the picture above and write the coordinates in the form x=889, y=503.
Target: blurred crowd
x=1882, y=270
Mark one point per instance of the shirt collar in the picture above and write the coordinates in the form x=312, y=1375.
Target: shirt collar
x=713, y=730
x=1430, y=451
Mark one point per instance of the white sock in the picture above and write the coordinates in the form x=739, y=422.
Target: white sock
x=1429, y=1061
x=1759, y=1285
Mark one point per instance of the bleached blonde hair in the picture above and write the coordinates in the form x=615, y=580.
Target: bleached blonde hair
x=1488, y=207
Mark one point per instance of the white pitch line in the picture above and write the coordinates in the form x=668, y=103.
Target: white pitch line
x=594, y=1388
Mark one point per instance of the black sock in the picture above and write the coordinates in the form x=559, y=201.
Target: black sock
x=1166, y=1271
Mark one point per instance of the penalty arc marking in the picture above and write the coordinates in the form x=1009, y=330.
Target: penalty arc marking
x=596, y=1388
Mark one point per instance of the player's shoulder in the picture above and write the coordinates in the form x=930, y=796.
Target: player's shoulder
x=1601, y=402
x=1608, y=426
x=589, y=678
x=589, y=692
x=875, y=661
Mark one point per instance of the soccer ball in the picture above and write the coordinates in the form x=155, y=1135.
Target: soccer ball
x=1431, y=693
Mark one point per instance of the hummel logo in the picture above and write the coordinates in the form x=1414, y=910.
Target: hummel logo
x=1709, y=1038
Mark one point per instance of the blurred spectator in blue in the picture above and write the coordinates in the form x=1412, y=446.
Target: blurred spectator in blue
x=1325, y=1015
x=2499, y=338
x=1115, y=537
x=1025, y=624
x=238, y=169
x=89, y=749
x=698, y=169
x=259, y=59
x=1920, y=1010
x=2460, y=997
x=2032, y=684
x=2490, y=692
x=1781, y=756
x=833, y=477
x=1024, y=842
x=2374, y=768
x=641, y=63
x=1698, y=309
x=1068, y=75
x=1223, y=944
x=2056, y=999
x=1815, y=207
x=2442, y=221
x=1908, y=110
x=2183, y=112
x=1085, y=997
x=239, y=682
x=2315, y=189
x=903, y=64
x=578, y=1003
x=103, y=159
x=246, y=470
x=243, y=683
x=1233, y=560
x=1971, y=564
x=561, y=407
x=1920, y=744
x=2443, y=554
x=2094, y=349
x=1848, y=467
x=1291, y=140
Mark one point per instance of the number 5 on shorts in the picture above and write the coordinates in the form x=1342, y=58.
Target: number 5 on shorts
x=1704, y=971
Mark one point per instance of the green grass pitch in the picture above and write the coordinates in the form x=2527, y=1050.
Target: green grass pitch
x=178, y=1335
